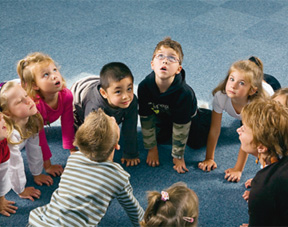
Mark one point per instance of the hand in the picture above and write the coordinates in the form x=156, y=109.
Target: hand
x=29, y=193
x=130, y=162
x=74, y=149
x=246, y=195
x=179, y=165
x=54, y=170
x=244, y=225
x=248, y=183
x=153, y=157
x=233, y=175
x=43, y=179
x=207, y=165
x=6, y=207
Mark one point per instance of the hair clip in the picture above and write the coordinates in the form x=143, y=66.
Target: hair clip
x=164, y=196
x=188, y=219
x=2, y=84
x=253, y=59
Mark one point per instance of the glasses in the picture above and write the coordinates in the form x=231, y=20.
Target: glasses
x=171, y=59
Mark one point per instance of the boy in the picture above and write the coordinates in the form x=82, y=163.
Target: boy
x=90, y=180
x=168, y=106
x=112, y=92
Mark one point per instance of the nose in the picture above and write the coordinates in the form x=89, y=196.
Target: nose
x=239, y=130
x=125, y=95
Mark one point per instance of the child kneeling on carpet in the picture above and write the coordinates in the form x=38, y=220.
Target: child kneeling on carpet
x=90, y=180
x=177, y=206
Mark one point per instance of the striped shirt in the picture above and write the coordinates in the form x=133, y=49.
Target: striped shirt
x=84, y=194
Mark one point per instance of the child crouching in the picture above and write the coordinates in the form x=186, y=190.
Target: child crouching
x=90, y=180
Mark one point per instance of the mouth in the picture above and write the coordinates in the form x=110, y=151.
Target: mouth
x=31, y=107
x=163, y=68
x=58, y=83
x=125, y=103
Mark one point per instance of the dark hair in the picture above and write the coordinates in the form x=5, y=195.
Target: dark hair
x=114, y=71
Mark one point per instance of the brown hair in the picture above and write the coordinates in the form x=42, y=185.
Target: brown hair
x=26, y=74
x=253, y=74
x=96, y=137
x=34, y=124
x=168, y=42
x=182, y=202
x=268, y=120
x=282, y=92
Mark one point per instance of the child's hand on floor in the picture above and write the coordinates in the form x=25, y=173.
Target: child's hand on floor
x=248, y=183
x=153, y=157
x=233, y=175
x=29, y=193
x=246, y=195
x=43, y=179
x=179, y=165
x=207, y=165
x=6, y=207
x=130, y=162
x=54, y=170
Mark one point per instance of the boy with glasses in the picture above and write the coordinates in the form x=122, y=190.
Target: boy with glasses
x=112, y=92
x=168, y=107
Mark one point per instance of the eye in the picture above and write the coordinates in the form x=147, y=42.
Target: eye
x=117, y=92
x=231, y=78
x=242, y=83
x=55, y=70
x=130, y=89
x=172, y=59
x=46, y=75
x=160, y=56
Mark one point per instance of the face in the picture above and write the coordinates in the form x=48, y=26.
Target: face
x=3, y=129
x=119, y=94
x=20, y=105
x=163, y=67
x=246, y=138
x=47, y=77
x=237, y=86
x=281, y=99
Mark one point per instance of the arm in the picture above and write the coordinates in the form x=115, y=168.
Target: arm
x=215, y=129
x=179, y=138
x=130, y=204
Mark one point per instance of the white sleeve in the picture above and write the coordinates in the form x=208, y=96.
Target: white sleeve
x=5, y=184
x=16, y=165
x=219, y=102
x=267, y=87
x=34, y=155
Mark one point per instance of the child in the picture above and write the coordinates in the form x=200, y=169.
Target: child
x=242, y=84
x=90, y=180
x=23, y=123
x=280, y=96
x=6, y=206
x=112, y=92
x=43, y=82
x=168, y=106
x=264, y=135
x=177, y=206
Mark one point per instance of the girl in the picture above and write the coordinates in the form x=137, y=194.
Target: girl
x=23, y=123
x=280, y=96
x=45, y=85
x=242, y=84
x=177, y=206
x=264, y=135
x=6, y=206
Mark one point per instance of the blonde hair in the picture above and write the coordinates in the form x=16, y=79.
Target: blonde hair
x=281, y=92
x=253, y=71
x=168, y=42
x=25, y=71
x=268, y=120
x=182, y=202
x=34, y=124
x=96, y=137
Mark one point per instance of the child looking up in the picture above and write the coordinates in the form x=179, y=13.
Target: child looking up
x=90, y=180
x=44, y=84
x=176, y=206
x=112, y=92
x=244, y=82
x=264, y=135
x=23, y=123
x=168, y=107
x=6, y=206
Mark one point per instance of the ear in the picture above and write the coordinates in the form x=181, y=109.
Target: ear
x=35, y=87
x=117, y=146
x=179, y=69
x=103, y=93
x=152, y=64
x=262, y=149
x=252, y=91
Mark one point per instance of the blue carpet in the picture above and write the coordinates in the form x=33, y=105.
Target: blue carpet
x=83, y=35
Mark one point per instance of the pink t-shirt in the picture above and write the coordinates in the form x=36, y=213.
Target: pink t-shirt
x=65, y=111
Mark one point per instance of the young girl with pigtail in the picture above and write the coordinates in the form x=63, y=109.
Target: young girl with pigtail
x=43, y=82
x=23, y=124
x=176, y=206
x=243, y=83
